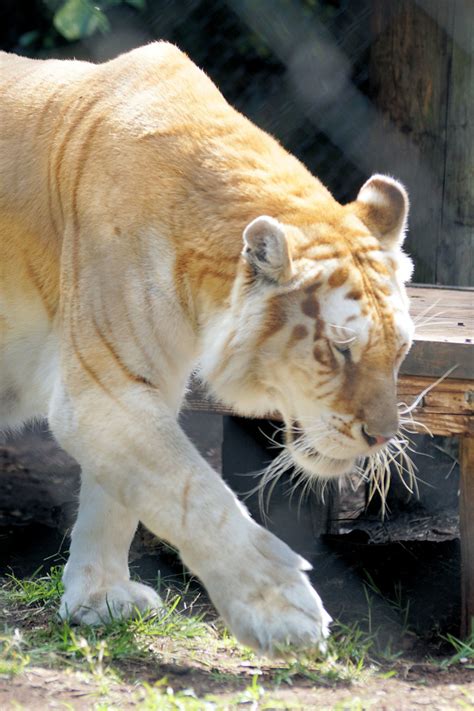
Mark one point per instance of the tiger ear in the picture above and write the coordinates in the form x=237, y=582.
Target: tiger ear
x=382, y=204
x=266, y=249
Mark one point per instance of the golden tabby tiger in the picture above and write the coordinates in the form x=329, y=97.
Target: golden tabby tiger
x=147, y=229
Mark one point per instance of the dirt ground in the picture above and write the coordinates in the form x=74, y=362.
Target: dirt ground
x=414, y=602
x=417, y=686
x=208, y=673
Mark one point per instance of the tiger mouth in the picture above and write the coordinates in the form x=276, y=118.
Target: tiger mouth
x=320, y=465
x=314, y=462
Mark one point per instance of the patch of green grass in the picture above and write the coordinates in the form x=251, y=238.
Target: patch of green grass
x=349, y=644
x=348, y=659
x=162, y=697
x=12, y=659
x=132, y=651
x=252, y=694
x=39, y=591
x=51, y=642
x=463, y=650
x=95, y=648
x=396, y=601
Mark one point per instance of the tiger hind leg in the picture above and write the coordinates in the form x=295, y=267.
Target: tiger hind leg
x=96, y=577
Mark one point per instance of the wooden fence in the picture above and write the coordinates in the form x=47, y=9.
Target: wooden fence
x=422, y=81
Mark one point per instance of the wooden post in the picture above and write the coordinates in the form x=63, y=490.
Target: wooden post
x=466, y=514
x=422, y=81
x=455, y=258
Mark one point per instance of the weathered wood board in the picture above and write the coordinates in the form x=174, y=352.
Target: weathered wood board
x=444, y=335
x=447, y=409
x=422, y=83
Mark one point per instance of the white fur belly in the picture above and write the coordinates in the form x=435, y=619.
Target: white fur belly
x=28, y=362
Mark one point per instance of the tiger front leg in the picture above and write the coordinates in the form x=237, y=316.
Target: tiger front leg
x=144, y=462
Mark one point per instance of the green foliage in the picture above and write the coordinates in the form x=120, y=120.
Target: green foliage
x=43, y=591
x=76, y=19
x=463, y=650
x=73, y=20
x=89, y=646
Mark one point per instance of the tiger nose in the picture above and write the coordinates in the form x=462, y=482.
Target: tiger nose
x=376, y=439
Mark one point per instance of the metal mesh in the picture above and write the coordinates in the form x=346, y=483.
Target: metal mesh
x=297, y=68
x=351, y=87
x=286, y=66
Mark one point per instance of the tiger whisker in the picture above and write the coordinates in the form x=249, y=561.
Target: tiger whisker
x=378, y=470
x=406, y=465
x=269, y=478
x=432, y=323
x=416, y=424
x=269, y=438
x=427, y=310
x=424, y=392
x=278, y=429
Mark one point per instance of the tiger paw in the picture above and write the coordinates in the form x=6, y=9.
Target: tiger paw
x=98, y=606
x=268, y=602
x=274, y=620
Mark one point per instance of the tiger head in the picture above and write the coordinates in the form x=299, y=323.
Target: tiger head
x=318, y=327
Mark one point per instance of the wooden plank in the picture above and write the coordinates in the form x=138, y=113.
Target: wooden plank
x=449, y=396
x=443, y=424
x=442, y=315
x=466, y=511
x=446, y=410
x=444, y=336
x=436, y=359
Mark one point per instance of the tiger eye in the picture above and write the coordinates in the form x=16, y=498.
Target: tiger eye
x=300, y=331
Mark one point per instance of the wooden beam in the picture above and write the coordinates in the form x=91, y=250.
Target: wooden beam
x=451, y=396
x=466, y=515
x=446, y=410
x=437, y=359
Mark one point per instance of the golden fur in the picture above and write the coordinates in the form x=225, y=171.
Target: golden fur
x=147, y=228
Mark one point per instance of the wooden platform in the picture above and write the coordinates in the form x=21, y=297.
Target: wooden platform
x=444, y=343
x=444, y=339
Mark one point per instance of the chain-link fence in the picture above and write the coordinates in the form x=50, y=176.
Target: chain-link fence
x=254, y=58
x=351, y=87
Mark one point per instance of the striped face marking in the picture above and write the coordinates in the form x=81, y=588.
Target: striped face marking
x=342, y=339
